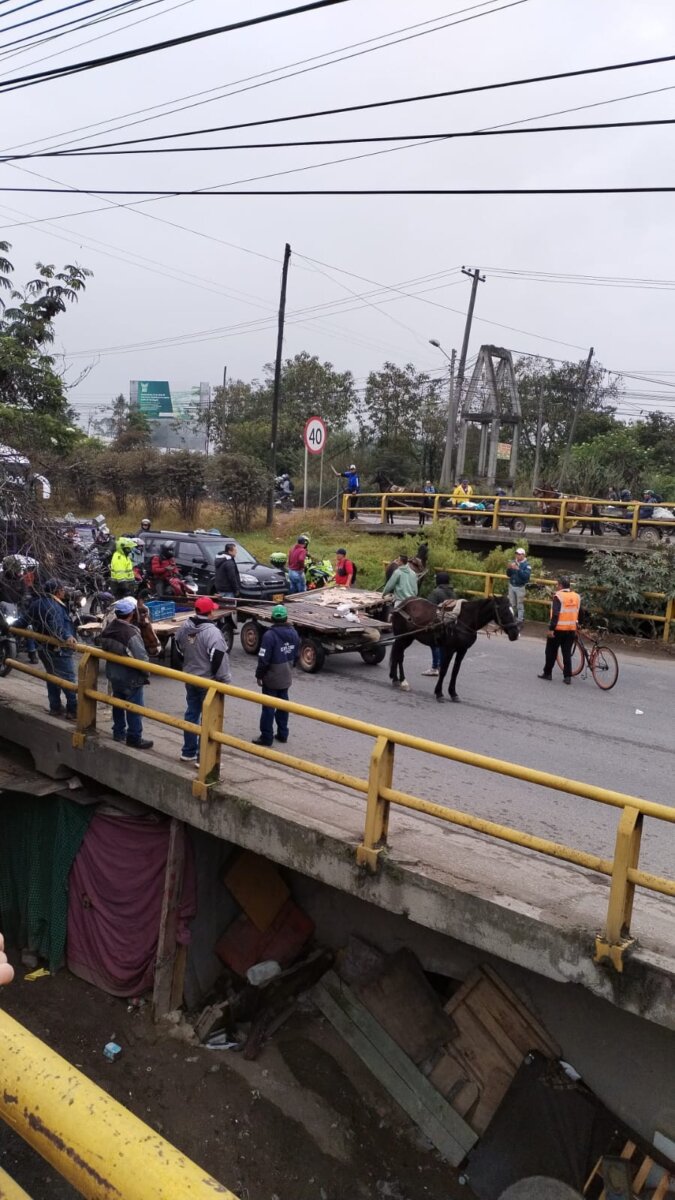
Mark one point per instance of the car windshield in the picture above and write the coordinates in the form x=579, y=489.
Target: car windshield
x=213, y=546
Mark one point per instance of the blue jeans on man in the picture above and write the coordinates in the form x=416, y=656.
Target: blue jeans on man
x=436, y=658
x=193, y=712
x=127, y=726
x=297, y=581
x=62, y=664
x=268, y=716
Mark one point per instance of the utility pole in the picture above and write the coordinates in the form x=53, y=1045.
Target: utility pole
x=277, y=383
x=446, y=469
x=476, y=278
x=540, y=422
x=581, y=395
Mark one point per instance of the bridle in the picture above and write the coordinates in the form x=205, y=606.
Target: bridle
x=503, y=625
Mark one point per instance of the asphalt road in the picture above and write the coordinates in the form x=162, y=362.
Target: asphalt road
x=622, y=739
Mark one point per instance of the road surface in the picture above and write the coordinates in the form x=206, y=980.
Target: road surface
x=622, y=739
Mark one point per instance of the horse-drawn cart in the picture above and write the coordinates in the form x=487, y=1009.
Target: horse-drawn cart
x=331, y=621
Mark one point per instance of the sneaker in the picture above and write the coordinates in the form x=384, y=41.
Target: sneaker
x=71, y=716
x=543, y=675
x=431, y=671
x=33, y=658
x=189, y=758
x=119, y=737
x=567, y=679
x=260, y=742
x=279, y=738
x=55, y=712
x=141, y=744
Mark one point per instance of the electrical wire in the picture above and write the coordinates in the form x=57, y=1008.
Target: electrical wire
x=636, y=189
x=21, y=81
x=83, y=21
x=45, y=17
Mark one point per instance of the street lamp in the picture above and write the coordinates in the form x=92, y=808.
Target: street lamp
x=446, y=469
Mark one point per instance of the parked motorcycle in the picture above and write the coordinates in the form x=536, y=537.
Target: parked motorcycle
x=318, y=574
x=9, y=616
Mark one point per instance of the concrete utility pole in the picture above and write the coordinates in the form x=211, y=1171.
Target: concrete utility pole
x=277, y=383
x=476, y=278
x=448, y=455
x=581, y=395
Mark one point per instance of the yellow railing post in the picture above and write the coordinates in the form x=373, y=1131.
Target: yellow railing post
x=437, y=501
x=488, y=584
x=563, y=515
x=377, y=812
x=209, y=749
x=345, y=507
x=617, y=939
x=495, y=512
x=87, y=680
x=670, y=617
x=634, y=523
x=383, y=508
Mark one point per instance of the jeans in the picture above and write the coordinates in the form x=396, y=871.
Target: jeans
x=565, y=643
x=436, y=657
x=128, y=725
x=193, y=712
x=517, y=601
x=297, y=581
x=63, y=665
x=268, y=716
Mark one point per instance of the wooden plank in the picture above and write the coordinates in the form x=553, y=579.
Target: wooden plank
x=400, y=989
x=257, y=887
x=663, y=1186
x=163, y=992
x=544, y=1042
x=451, y=1136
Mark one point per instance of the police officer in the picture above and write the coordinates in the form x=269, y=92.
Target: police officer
x=277, y=656
x=562, y=629
x=122, y=568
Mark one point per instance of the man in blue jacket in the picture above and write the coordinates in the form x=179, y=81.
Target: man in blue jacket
x=518, y=572
x=277, y=656
x=49, y=615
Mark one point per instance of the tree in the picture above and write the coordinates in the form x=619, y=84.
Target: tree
x=241, y=483
x=628, y=456
x=125, y=426
x=115, y=473
x=82, y=473
x=185, y=481
x=403, y=411
x=148, y=478
x=559, y=384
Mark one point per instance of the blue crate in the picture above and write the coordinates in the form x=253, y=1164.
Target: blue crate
x=161, y=610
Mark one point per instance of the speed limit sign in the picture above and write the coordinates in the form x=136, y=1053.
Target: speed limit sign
x=315, y=435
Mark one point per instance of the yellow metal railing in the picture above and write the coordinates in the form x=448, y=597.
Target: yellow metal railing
x=488, y=581
x=561, y=514
x=100, y=1147
x=378, y=787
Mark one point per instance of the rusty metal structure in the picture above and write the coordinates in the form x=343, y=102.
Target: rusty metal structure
x=491, y=402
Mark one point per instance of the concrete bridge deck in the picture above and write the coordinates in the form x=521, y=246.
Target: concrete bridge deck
x=526, y=909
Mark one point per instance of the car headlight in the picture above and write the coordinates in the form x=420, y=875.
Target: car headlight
x=249, y=580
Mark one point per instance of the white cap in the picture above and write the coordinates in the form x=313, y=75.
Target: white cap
x=520, y=550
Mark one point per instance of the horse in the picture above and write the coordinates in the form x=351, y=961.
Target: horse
x=576, y=511
x=419, y=620
x=385, y=484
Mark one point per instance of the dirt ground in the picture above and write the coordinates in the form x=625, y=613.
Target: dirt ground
x=306, y=1121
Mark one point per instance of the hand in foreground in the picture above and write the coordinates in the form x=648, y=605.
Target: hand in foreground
x=6, y=971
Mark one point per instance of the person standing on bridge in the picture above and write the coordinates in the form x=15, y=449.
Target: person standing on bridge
x=562, y=629
x=123, y=637
x=353, y=487
x=50, y=616
x=277, y=656
x=518, y=573
x=202, y=647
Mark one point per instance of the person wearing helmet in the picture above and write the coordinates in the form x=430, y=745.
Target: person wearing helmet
x=122, y=568
x=277, y=656
x=164, y=568
x=104, y=543
x=297, y=557
x=145, y=527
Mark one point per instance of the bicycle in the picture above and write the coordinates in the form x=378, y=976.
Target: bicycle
x=598, y=658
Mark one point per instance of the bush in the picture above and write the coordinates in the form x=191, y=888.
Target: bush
x=82, y=472
x=148, y=478
x=115, y=475
x=184, y=481
x=241, y=484
x=625, y=578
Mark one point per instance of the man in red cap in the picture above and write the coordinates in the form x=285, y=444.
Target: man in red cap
x=202, y=646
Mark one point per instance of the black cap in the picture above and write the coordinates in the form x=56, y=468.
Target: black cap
x=442, y=577
x=341, y=551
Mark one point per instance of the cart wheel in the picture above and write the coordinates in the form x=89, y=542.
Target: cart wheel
x=518, y=525
x=312, y=655
x=226, y=627
x=251, y=636
x=374, y=655
x=648, y=534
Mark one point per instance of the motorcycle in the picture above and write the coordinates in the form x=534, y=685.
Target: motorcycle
x=318, y=574
x=283, y=501
x=9, y=616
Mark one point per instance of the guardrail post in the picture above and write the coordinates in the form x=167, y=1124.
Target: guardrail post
x=437, y=502
x=383, y=508
x=563, y=516
x=495, y=512
x=488, y=585
x=634, y=523
x=209, y=750
x=670, y=617
x=616, y=939
x=87, y=680
x=377, y=813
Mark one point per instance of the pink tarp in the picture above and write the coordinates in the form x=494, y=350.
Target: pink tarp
x=115, y=900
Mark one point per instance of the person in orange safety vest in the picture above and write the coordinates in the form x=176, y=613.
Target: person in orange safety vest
x=562, y=630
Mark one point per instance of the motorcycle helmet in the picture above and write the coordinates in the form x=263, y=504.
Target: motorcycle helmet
x=126, y=543
x=278, y=559
x=167, y=549
x=146, y=523
x=625, y=495
x=303, y=540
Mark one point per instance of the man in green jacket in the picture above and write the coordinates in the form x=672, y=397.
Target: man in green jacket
x=402, y=585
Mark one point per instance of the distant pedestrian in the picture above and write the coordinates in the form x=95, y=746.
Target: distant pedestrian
x=204, y=653
x=123, y=637
x=345, y=571
x=353, y=487
x=429, y=492
x=402, y=583
x=49, y=615
x=438, y=595
x=277, y=656
x=518, y=572
x=227, y=581
x=296, y=564
x=562, y=629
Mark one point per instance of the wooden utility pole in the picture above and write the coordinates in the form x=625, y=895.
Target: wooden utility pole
x=540, y=422
x=277, y=383
x=448, y=455
x=581, y=395
x=476, y=278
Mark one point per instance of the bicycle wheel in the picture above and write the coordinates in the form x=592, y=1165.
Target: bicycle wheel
x=604, y=667
x=577, y=659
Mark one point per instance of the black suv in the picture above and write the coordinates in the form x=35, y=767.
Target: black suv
x=196, y=555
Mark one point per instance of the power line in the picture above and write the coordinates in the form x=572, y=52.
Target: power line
x=45, y=17
x=637, y=189
x=21, y=81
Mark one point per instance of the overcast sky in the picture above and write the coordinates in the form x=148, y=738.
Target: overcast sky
x=187, y=271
